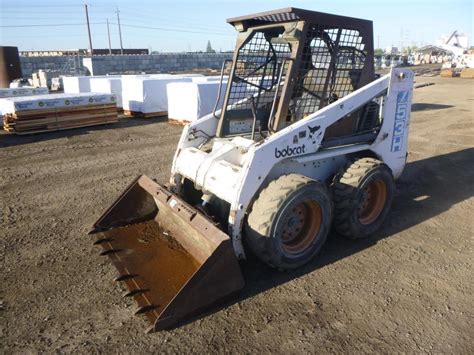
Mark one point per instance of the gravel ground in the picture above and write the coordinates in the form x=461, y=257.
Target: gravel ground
x=406, y=289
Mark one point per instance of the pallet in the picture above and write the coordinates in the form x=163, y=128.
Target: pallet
x=59, y=110
x=57, y=115
x=467, y=73
x=447, y=73
x=55, y=119
x=58, y=129
x=178, y=122
x=137, y=114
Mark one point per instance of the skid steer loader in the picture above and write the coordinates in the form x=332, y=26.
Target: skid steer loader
x=308, y=139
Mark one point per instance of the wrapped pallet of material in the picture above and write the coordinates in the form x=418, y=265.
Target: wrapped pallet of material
x=22, y=91
x=76, y=84
x=191, y=75
x=217, y=78
x=188, y=102
x=148, y=75
x=44, y=113
x=108, y=85
x=147, y=96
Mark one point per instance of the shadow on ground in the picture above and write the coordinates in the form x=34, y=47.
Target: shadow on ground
x=9, y=140
x=428, y=107
x=427, y=188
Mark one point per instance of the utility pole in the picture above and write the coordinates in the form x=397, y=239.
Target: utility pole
x=120, y=31
x=89, y=29
x=108, y=32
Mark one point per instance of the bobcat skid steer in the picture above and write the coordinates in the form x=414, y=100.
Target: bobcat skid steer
x=308, y=139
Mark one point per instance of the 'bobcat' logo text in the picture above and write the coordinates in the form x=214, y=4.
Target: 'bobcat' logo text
x=288, y=151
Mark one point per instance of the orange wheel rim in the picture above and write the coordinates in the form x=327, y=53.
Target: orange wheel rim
x=301, y=227
x=373, y=201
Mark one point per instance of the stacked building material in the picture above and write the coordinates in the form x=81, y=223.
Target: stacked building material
x=108, y=85
x=200, y=79
x=44, y=113
x=147, y=96
x=76, y=84
x=22, y=91
x=188, y=102
x=43, y=78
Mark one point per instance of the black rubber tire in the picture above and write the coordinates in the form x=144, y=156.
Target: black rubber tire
x=262, y=229
x=348, y=193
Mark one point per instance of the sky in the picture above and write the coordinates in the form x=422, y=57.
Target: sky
x=187, y=25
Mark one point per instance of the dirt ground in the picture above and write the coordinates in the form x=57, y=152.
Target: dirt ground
x=409, y=288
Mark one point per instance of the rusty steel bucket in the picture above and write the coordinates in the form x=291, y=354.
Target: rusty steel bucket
x=173, y=260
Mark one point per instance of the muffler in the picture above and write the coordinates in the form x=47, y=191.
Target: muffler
x=173, y=260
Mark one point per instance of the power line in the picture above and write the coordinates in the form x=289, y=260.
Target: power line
x=35, y=3
x=187, y=21
x=52, y=25
x=40, y=16
x=58, y=35
x=100, y=17
x=95, y=13
x=29, y=18
x=176, y=30
x=36, y=12
x=174, y=23
x=20, y=18
x=127, y=25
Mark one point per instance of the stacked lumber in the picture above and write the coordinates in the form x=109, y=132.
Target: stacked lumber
x=55, y=112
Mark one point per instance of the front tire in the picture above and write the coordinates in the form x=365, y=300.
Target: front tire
x=289, y=222
x=363, y=196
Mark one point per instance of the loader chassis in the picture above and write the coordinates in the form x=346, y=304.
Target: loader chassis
x=308, y=139
x=237, y=168
x=302, y=98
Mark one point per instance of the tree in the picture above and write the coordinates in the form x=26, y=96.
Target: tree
x=209, y=48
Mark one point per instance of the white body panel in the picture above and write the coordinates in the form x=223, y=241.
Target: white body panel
x=236, y=169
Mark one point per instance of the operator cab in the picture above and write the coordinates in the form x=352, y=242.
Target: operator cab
x=290, y=63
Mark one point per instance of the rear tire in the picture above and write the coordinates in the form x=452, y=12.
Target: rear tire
x=363, y=196
x=289, y=221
